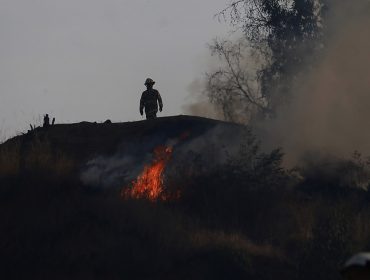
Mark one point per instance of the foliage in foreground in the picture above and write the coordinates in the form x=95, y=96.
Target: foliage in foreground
x=236, y=219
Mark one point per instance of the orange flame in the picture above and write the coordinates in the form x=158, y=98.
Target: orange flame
x=151, y=182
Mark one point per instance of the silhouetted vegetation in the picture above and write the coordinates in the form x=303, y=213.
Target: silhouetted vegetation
x=246, y=218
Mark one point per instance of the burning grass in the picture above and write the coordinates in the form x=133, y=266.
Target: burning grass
x=150, y=184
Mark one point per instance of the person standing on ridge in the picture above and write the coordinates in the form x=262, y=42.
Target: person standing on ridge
x=150, y=100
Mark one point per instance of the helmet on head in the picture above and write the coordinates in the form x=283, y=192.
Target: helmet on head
x=149, y=81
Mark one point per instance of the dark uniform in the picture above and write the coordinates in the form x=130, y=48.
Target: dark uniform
x=150, y=99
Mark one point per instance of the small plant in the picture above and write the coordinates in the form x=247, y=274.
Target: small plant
x=9, y=158
x=330, y=246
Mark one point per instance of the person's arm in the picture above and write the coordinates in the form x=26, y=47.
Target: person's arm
x=142, y=104
x=160, y=102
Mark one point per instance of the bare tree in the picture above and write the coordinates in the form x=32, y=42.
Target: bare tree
x=287, y=36
x=234, y=87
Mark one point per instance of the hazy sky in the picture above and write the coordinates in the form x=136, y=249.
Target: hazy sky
x=86, y=60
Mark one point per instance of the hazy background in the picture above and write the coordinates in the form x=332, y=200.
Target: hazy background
x=328, y=117
x=87, y=60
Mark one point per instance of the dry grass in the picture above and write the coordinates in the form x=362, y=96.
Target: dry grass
x=9, y=159
x=34, y=155
x=361, y=229
x=202, y=238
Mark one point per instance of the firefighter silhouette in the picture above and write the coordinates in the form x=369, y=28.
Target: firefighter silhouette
x=150, y=100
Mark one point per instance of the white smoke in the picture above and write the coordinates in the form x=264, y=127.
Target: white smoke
x=213, y=144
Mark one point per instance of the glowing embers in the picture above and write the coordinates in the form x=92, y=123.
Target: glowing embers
x=150, y=184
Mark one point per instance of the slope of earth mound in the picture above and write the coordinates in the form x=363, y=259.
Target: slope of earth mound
x=81, y=140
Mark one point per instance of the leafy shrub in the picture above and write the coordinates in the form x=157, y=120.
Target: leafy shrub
x=228, y=194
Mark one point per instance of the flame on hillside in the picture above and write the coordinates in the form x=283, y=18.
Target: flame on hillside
x=150, y=183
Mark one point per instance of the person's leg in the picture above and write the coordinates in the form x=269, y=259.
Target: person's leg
x=151, y=116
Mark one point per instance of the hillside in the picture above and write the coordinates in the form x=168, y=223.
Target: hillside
x=67, y=147
x=83, y=139
x=73, y=206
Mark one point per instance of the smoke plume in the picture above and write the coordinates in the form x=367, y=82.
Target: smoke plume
x=198, y=104
x=329, y=111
